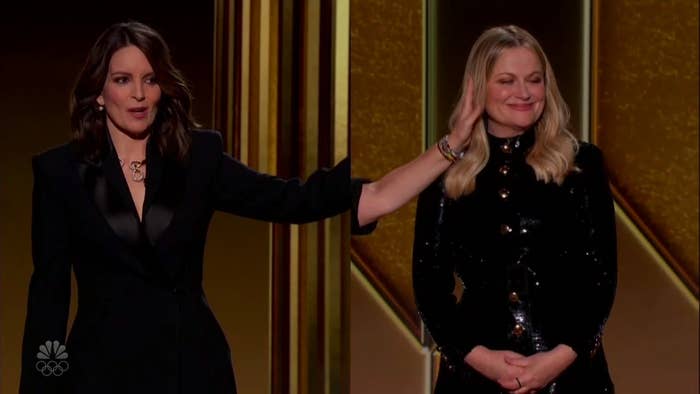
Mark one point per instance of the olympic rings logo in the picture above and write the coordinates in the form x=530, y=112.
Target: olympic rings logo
x=52, y=367
x=52, y=359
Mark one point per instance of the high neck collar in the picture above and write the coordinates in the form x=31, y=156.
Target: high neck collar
x=518, y=144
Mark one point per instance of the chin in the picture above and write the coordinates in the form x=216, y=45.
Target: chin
x=139, y=130
x=524, y=124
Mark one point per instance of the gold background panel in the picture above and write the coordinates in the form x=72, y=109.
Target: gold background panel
x=647, y=119
x=386, y=57
x=386, y=356
x=651, y=339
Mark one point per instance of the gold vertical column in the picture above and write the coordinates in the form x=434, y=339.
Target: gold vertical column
x=263, y=89
x=253, y=85
x=295, y=310
x=337, y=258
x=310, y=268
x=224, y=89
x=258, y=83
x=321, y=280
x=244, y=64
x=246, y=80
x=309, y=274
x=341, y=76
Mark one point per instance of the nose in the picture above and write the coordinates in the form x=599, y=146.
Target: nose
x=137, y=92
x=523, y=92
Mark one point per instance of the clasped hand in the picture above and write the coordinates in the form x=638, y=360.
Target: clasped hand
x=517, y=373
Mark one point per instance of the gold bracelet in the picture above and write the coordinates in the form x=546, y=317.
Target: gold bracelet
x=447, y=151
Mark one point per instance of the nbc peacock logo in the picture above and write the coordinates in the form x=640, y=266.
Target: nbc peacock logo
x=52, y=359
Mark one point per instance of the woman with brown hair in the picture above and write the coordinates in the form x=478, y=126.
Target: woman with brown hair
x=525, y=219
x=126, y=204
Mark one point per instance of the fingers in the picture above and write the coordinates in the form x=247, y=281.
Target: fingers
x=518, y=361
x=470, y=110
x=512, y=354
x=526, y=384
x=468, y=102
x=475, y=114
x=514, y=386
x=522, y=386
x=508, y=384
x=469, y=90
x=468, y=87
x=524, y=390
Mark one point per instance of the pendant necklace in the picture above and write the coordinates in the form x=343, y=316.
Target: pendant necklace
x=137, y=169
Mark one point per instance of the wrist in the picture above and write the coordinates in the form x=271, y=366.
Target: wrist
x=448, y=151
x=476, y=352
x=457, y=143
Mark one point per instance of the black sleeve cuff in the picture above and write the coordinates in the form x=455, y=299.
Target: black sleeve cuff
x=355, y=228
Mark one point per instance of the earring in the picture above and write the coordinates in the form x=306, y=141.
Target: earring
x=100, y=108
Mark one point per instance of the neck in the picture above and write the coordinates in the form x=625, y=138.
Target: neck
x=503, y=132
x=129, y=148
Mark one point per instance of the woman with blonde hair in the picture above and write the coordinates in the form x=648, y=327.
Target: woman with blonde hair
x=524, y=218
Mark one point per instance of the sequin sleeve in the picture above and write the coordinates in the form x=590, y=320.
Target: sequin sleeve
x=433, y=278
x=594, y=258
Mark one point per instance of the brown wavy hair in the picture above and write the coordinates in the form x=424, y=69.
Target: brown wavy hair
x=552, y=156
x=174, y=121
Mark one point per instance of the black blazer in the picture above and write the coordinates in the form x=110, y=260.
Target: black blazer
x=143, y=324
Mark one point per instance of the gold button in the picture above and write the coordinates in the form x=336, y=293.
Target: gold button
x=506, y=229
x=504, y=170
x=513, y=297
x=518, y=330
x=504, y=193
x=506, y=148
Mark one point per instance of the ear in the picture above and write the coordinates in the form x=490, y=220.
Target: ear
x=100, y=100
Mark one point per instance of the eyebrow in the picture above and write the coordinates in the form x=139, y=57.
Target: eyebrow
x=513, y=75
x=128, y=73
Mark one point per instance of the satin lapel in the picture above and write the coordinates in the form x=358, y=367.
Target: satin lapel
x=164, y=184
x=106, y=186
x=112, y=197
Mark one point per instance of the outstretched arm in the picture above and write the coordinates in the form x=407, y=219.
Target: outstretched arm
x=402, y=184
x=240, y=190
x=399, y=186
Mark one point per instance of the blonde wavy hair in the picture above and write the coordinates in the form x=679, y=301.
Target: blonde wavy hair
x=552, y=156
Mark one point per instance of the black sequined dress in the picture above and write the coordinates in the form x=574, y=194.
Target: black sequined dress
x=537, y=262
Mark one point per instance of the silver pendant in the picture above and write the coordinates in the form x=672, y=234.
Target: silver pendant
x=136, y=172
x=137, y=169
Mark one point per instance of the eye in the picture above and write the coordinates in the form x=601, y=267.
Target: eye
x=151, y=80
x=536, y=80
x=505, y=81
x=121, y=80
